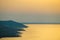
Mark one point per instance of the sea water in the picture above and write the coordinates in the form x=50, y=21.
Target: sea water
x=39, y=32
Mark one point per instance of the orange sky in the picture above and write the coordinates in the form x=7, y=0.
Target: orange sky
x=38, y=6
x=30, y=10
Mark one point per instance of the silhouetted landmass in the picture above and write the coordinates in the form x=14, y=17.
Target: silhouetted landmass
x=11, y=28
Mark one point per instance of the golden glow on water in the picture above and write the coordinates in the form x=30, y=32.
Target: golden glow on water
x=39, y=32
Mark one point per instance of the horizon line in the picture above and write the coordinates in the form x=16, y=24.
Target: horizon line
x=41, y=23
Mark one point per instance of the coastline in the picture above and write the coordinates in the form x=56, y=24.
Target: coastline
x=39, y=32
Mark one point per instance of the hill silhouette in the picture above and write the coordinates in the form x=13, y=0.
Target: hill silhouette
x=10, y=28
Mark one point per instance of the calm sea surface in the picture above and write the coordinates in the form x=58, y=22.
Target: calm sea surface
x=39, y=32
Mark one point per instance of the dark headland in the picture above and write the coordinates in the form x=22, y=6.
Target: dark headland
x=10, y=28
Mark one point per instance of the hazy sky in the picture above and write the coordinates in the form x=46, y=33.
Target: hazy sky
x=30, y=10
